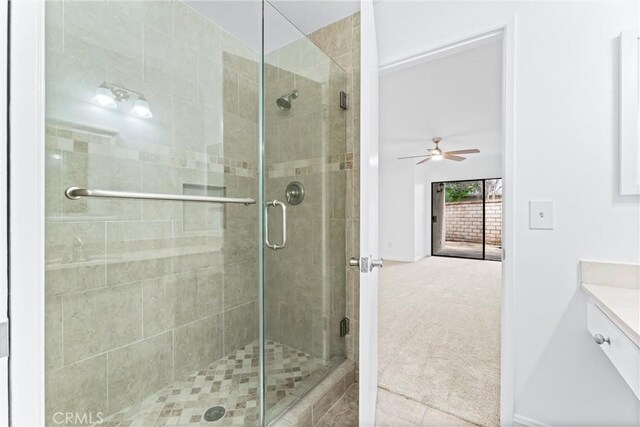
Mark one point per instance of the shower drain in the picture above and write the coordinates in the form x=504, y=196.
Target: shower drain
x=214, y=413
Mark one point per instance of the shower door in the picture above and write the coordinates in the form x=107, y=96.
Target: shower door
x=306, y=163
x=151, y=221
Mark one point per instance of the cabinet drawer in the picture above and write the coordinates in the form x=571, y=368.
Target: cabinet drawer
x=622, y=352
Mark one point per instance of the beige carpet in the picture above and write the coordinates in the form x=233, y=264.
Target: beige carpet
x=439, y=335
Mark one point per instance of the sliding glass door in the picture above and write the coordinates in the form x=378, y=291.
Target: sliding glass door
x=466, y=219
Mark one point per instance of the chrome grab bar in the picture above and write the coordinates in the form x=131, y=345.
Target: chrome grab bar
x=275, y=246
x=75, y=193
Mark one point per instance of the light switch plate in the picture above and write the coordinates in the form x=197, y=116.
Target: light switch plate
x=541, y=215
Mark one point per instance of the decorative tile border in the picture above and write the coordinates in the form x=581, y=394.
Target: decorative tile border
x=331, y=163
x=64, y=138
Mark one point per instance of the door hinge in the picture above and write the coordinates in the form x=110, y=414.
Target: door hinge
x=344, y=327
x=344, y=100
x=4, y=340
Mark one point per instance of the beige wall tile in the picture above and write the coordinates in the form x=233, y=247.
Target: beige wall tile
x=119, y=272
x=80, y=388
x=74, y=243
x=159, y=305
x=210, y=82
x=240, y=327
x=230, y=90
x=139, y=369
x=240, y=283
x=194, y=30
x=53, y=333
x=210, y=291
x=74, y=278
x=100, y=320
x=94, y=23
x=240, y=139
x=188, y=125
x=197, y=345
x=170, y=302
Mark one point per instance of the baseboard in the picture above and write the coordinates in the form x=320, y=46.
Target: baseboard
x=528, y=422
x=421, y=257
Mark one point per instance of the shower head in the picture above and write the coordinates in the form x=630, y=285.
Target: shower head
x=284, y=102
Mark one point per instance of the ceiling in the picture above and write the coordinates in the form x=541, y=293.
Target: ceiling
x=456, y=97
x=285, y=20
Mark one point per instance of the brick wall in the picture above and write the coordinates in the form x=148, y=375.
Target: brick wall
x=463, y=222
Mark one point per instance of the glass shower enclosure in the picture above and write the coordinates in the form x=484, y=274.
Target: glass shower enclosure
x=195, y=213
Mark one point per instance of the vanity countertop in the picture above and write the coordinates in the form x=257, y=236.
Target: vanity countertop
x=615, y=288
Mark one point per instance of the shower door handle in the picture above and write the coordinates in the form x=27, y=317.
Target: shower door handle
x=273, y=204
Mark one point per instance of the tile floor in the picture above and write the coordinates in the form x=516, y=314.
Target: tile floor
x=392, y=410
x=343, y=413
x=231, y=382
x=398, y=411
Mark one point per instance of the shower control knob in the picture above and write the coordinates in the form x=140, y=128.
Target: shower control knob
x=599, y=339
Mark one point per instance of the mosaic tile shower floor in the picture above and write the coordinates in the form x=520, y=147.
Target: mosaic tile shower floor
x=231, y=382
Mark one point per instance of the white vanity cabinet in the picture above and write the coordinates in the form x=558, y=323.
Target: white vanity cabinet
x=622, y=352
x=613, y=315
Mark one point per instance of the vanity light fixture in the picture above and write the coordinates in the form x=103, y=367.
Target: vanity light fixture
x=141, y=108
x=109, y=95
x=104, y=97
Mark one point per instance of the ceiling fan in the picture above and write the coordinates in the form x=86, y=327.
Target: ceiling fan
x=436, y=154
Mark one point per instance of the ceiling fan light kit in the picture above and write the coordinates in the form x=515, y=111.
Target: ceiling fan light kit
x=436, y=154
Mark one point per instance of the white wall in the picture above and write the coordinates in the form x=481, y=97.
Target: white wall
x=397, y=237
x=565, y=104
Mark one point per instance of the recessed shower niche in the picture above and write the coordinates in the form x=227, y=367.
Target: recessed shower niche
x=203, y=216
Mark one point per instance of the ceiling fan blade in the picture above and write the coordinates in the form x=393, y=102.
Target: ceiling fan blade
x=423, y=161
x=450, y=157
x=469, y=151
x=413, y=157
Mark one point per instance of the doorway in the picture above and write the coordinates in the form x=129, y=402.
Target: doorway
x=449, y=363
x=466, y=219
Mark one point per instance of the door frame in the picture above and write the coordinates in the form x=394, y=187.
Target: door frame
x=368, y=229
x=505, y=32
x=26, y=213
x=484, y=217
x=4, y=266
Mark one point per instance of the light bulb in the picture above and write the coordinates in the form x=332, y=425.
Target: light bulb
x=104, y=97
x=141, y=108
x=436, y=157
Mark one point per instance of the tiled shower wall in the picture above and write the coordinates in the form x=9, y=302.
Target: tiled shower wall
x=142, y=293
x=341, y=41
